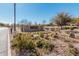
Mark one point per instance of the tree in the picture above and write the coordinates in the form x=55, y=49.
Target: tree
x=44, y=21
x=75, y=21
x=29, y=23
x=2, y=24
x=62, y=19
x=23, y=22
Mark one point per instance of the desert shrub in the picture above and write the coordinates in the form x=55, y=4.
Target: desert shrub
x=66, y=41
x=56, y=35
x=51, y=47
x=41, y=35
x=67, y=28
x=25, y=42
x=45, y=44
x=73, y=51
x=41, y=52
x=30, y=44
x=42, y=44
x=72, y=35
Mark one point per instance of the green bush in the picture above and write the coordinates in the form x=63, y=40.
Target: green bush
x=67, y=28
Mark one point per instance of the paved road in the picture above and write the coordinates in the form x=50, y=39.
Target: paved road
x=4, y=42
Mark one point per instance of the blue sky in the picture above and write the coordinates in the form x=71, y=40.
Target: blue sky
x=36, y=12
x=6, y=13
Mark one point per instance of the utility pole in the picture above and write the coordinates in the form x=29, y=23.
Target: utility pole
x=14, y=18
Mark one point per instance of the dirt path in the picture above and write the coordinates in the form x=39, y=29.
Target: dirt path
x=62, y=45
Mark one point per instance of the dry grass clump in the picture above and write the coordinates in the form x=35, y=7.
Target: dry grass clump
x=73, y=51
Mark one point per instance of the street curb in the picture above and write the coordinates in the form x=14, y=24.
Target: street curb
x=9, y=45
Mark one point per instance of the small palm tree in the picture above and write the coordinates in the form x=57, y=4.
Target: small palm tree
x=62, y=19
